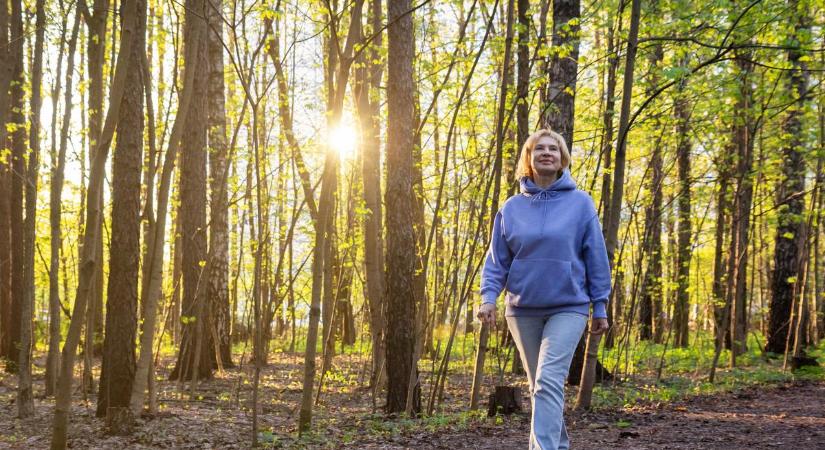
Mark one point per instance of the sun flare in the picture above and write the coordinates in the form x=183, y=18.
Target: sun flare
x=344, y=139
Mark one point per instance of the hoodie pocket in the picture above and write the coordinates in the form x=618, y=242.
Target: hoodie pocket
x=541, y=283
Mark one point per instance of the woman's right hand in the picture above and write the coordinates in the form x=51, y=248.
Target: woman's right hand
x=487, y=314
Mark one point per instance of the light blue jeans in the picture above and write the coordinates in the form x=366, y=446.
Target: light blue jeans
x=546, y=345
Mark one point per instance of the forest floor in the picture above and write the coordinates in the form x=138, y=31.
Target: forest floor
x=783, y=413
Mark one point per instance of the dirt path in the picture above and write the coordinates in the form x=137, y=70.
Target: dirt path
x=787, y=416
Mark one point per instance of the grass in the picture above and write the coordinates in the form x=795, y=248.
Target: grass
x=685, y=372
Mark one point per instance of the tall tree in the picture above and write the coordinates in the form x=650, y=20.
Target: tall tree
x=25, y=400
x=17, y=132
x=743, y=132
x=681, y=314
x=506, y=79
x=326, y=203
x=7, y=350
x=196, y=349
x=611, y=228
x=218, y=289
x=401, y=242
x=89, y=240
x=652, y=245
x=786, y=282
x=55, y=207
x=118, y=364
x=368, y=104
x=96, y=22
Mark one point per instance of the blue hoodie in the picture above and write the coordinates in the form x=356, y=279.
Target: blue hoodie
x=548, y=252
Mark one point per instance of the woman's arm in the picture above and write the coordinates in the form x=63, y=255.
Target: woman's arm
x=497, y=263
x=597, y=267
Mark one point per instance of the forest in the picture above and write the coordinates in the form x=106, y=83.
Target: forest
x=261, y=223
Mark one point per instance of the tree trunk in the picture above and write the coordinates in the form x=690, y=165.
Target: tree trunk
x=611, y=228
x=17, y=127
x=367, y=94
x=506, y=75
x=96, y=22
x=720, y=276
x=401, y=246
x=218, y=289
x=7, y=349
x=151, y=288
x=740, y=225
x=325, y=209
x=652, y=246
x=786, y=286
x=558, y=110
x=118, y=365
x=55, y=205
x=681, y=314
x=25, y=400
x=194, y=308
x=88, y=252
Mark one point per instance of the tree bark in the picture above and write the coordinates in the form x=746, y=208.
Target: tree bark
x=681, y=314
x=7, y=349
x=652, y=284
x=151, y=289
x=88, y=251
x=401, y=242
x=740, y=225
x=25, y=400
x=194, y=305
x=218, y=289
x=786, y=282
x=118, y=365
x=17, y=126
x=558, y=110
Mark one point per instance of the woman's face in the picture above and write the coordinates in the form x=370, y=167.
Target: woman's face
x=546, y=157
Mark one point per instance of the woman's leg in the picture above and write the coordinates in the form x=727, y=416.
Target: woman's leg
x=559, y=338
x=527, y=333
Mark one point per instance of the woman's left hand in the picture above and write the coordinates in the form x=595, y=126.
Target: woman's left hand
x=599, y=326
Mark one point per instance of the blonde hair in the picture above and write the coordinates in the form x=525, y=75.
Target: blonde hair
x=524, y=168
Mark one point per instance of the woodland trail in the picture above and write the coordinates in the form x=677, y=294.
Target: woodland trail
x=790, y=415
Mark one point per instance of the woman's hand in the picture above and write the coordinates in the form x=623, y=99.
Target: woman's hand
x=599, y=326
x=487, y=314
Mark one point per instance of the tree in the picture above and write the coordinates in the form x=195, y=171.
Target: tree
x=649, y=325
x=55, y=205
x=611, y=228
x=17, y=134
x=787, y=282
x=25, y=400
x=118, y=364
x=197, y=347
x=218, y=289
x=681, y=313
x=559, y=105
x=88, y=250
x=7, y=350
x=367, y=84
x=401, y=240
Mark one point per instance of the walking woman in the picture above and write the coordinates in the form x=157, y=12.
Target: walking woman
x=547, y=252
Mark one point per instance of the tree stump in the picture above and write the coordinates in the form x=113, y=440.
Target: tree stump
x=119, y=421
x=505, y=400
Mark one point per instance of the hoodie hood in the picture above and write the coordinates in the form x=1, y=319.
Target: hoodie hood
x=564, y=183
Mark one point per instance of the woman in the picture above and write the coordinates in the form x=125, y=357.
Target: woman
x=548, y=253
